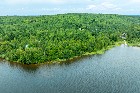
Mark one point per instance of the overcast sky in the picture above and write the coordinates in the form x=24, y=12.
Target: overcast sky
x=47, y=7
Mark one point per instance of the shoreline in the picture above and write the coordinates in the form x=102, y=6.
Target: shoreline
x=70, y=60
x=133, y=45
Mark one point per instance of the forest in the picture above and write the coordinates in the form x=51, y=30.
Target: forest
x=49, y=38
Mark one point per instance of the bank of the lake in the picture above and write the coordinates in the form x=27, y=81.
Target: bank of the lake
x=61, y=61
x=134, y=44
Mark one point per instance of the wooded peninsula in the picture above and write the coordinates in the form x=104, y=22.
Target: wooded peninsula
x=49, y=38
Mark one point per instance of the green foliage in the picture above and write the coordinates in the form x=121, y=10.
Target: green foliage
x=37, y=39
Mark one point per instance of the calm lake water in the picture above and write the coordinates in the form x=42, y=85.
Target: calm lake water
x=116, y=71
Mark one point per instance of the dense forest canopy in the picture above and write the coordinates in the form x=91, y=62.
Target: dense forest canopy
x=37, y=39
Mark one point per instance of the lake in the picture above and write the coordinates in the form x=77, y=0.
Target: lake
x=116, y=71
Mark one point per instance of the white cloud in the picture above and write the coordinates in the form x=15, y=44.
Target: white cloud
x=118, y=9
x=108, y=5
x=103, y=6
x=135, y=1
x=90, y=7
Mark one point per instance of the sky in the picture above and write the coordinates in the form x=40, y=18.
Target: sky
x=50, y=7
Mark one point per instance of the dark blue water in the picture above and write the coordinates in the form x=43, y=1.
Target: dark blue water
x=116, y=71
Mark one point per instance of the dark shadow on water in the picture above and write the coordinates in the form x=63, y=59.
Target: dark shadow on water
x=32, y=68
x=28, y=68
